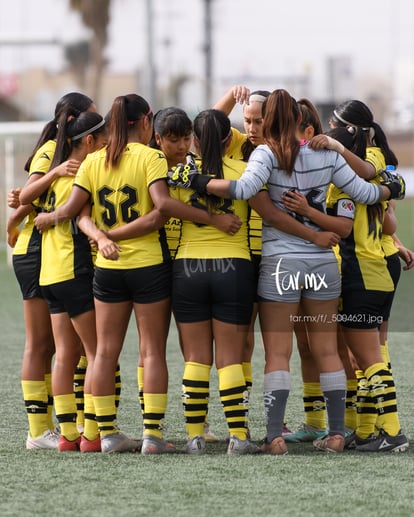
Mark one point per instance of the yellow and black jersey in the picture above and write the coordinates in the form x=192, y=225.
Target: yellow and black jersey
x=207, y=242
x=120, y=195
x=172, y=231
x=376, y=158
x=66, y=252
x=388, y=245
x=234, y=150
x=362, y=260
x=29, y=238
x=255, y=221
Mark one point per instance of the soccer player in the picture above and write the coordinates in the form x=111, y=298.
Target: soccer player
x=241, y=147
x=368, y=287
x=39, y=346
x=66, y=279
x=173, y=135
x=213, y=293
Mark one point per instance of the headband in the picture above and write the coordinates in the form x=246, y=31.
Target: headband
x=89, y=131
x=348, y=123
x=255, y=97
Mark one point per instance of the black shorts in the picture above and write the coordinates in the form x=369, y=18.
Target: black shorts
x=222, y=289
x=27, y=270
x=363, y=309
x=394, y=267
x=72, y=296
x=140, y=285
x=256, y=271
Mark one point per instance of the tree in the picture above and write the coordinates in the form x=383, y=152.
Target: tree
x=95, y=15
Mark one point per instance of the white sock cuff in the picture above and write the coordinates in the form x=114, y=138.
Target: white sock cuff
x=277, y=380
x=333, y=381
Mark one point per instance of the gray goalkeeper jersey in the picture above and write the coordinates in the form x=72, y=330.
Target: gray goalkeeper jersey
x=312, y=174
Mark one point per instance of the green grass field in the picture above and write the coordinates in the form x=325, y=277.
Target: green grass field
x=305, y=482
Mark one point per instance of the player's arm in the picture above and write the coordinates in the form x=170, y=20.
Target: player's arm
x=37, y=183
x=281, y=220
x=144, y=224
x=13, y=223
x=170, y=207
x=297, y=202
x=73, y=206
x=363, y=168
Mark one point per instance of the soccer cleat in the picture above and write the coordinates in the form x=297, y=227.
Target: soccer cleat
x=305, y=433
x=90, y=445
x=119, y=442
x=352, y=440
x=48, y=440
x=66, y=445
x=209, y=436
x=154, y=445
x=238, y=447
x=330, y=443
x=277, y=447
x=196, y=446
x=285, y=430
x=385, y=443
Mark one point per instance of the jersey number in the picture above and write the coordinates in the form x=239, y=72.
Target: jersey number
x=128, y=214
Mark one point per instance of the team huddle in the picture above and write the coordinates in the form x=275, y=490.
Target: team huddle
x=165, y=217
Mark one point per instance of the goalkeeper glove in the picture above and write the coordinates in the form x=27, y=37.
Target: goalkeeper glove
x=395, y=183
x=187, y=176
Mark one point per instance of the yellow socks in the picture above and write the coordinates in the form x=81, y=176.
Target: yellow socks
x=314, y=405
x=35, y=397
x=234, y=399
x=155, y=407
x=65, y=407
x=195, y=395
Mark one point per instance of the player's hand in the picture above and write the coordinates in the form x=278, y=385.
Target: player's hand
x=68, y=168
x=407, y=256
x=326, y=142
x=227, y=223
x=295, y=202
x=326, y=239
x=107, y=248
x=12, y=236
x=241, y=94
x=13, y=198
x=44, y=221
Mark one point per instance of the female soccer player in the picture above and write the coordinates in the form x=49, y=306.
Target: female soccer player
x=368, y=286
x=213, y=293
x=39, y=347
x=66, y=279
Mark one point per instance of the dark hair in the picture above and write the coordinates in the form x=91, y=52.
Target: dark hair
x=87, y=123
x=171, y=122
x=310, y=116
x=351, y=139
x=247, y=147
x=125, y=112
x=212, y=129
x=71, y=103
x=280, y=126
x=357, y=114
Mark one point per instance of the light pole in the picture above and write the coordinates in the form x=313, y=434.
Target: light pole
x=207, y=51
